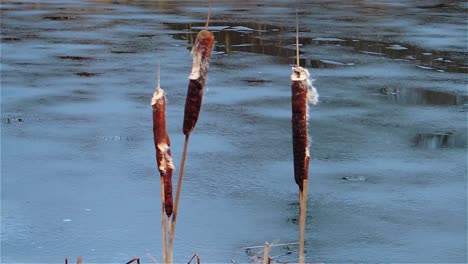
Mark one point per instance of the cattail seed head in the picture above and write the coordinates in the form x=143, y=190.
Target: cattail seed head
x=302, y=93
x=162, y=144
x=201, y=53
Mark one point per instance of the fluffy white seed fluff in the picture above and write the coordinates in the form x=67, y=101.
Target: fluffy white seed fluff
x=197, y=63
x=302, y=74
x=163, y=147
x=158, y=94
x=167, y=160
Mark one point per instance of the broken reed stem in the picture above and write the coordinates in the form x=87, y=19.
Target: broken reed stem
x=302, y=219
x=266, y=253
x=177, y=198
x=194, y=255
x=135, y=259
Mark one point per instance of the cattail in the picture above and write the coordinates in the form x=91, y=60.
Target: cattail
x=201, y=53
x=302, y=92
x=162, y=145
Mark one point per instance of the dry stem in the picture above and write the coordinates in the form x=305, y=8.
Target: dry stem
x=266, y=253
x=302, y=218
x=194, y=255
x=163, y=223
x=297, y=38
x=209, y=15
x=179, y=187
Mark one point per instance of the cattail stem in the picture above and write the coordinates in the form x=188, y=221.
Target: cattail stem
x=163, y=223
x=209, y=15
x=297, y=38
x=302, y=218
x=177, y=198
x=266, y=253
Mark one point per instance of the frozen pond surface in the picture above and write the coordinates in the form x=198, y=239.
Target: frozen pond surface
x=388, y=175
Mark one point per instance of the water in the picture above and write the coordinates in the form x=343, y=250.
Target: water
x=388, y=169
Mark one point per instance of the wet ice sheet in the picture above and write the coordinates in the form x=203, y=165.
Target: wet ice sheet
x=87, y=137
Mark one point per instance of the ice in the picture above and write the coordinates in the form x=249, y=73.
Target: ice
x=212, y=28
x=328, y=39
x=388, y=139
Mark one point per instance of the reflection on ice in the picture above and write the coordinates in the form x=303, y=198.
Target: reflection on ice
x=259, y=38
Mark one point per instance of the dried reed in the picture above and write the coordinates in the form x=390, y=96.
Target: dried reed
x=302, y=92
x=195, y=255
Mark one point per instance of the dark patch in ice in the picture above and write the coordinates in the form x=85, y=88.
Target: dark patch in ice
x=123, y=51
x=254, y=81
x=87, y=74
x=10, y=39
x=420, y=96
x=146, y=35
x=9, y=120
x=440, y=140
x=436, y=6
x=240, y=10
x=60, y=17
x=77, y=58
